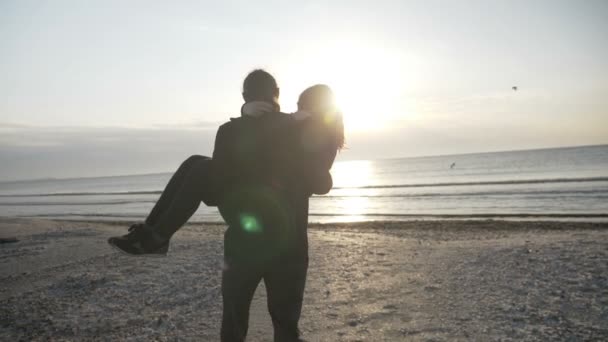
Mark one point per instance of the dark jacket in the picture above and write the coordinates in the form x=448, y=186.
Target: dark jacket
x=265, y=178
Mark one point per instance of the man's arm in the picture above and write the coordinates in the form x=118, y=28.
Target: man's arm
x=219, y=167
x=220, y=147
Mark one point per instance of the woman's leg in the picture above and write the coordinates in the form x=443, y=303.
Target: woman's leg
x=178, y=202
x=175, y=183
x=185, y=196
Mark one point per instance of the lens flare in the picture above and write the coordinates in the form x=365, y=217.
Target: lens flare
x=250, y=224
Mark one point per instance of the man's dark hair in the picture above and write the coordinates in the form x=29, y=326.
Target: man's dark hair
x=260, y=85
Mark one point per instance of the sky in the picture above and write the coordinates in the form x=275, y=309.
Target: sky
x=93, y=88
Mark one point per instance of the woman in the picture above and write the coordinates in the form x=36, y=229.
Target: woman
x=318, y=134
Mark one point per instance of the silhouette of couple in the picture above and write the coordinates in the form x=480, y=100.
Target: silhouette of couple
x=264, y=168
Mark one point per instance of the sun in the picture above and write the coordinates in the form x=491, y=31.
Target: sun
x=366, y=80
x=367, y=90
x=365, y=109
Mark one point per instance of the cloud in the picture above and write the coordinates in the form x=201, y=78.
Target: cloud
x=40, y=152
x=195, y=125
x=9, y=126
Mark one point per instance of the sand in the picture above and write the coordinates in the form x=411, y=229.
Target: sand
x=382, y=281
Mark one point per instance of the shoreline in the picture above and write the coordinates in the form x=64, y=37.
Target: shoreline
x=359, y=219
x=380, y=281
x=456, y=224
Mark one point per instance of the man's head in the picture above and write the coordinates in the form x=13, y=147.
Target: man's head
x=259, y=85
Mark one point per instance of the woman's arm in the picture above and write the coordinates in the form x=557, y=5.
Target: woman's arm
x=321, y=182
x=318, y=151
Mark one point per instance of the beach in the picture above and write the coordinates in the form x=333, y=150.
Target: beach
x=439, y=280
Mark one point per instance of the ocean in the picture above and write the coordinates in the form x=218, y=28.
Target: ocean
x=552, y=184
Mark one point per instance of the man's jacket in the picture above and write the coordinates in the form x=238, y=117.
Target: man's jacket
x=263, y=181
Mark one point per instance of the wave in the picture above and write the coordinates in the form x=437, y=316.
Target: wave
x=500, y=182
x=596, y=194
x=484, y=215
x=387, y=186
x=54, y=204
x=83, y=215
x=362, y=215
x=585, y=193
x=109, y=193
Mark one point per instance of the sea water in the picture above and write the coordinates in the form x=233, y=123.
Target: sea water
x=561, y=183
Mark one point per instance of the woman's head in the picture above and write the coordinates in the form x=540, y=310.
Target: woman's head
x=319, y=100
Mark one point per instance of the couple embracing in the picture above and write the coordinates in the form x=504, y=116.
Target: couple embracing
x=264, y=168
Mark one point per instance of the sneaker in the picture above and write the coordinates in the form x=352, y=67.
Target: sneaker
x=140, y=241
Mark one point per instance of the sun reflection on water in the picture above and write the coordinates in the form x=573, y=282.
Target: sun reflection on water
x=348, y=176
x=354, y=208
x=352, y=174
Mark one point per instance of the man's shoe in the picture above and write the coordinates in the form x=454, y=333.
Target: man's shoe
x=140, y=241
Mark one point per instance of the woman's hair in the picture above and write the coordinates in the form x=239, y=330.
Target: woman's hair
x=320, y=101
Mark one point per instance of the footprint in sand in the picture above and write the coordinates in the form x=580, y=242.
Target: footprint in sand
x=390, y=307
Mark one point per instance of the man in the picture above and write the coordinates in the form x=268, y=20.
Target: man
x=261, y=181
x=266, y=209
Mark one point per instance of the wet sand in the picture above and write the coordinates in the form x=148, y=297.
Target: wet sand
x=382, y=281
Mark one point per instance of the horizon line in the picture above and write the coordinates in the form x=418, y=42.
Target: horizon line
x=386, y=158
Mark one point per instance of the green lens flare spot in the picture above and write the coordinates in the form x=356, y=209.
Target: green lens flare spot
x=250, y=224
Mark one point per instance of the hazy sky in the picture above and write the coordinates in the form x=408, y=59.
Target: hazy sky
x=115, y=87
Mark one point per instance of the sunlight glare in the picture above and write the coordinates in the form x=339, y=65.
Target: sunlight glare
x=368, y=81
x=352, y=174
x=354, y=209
x=348, y=177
